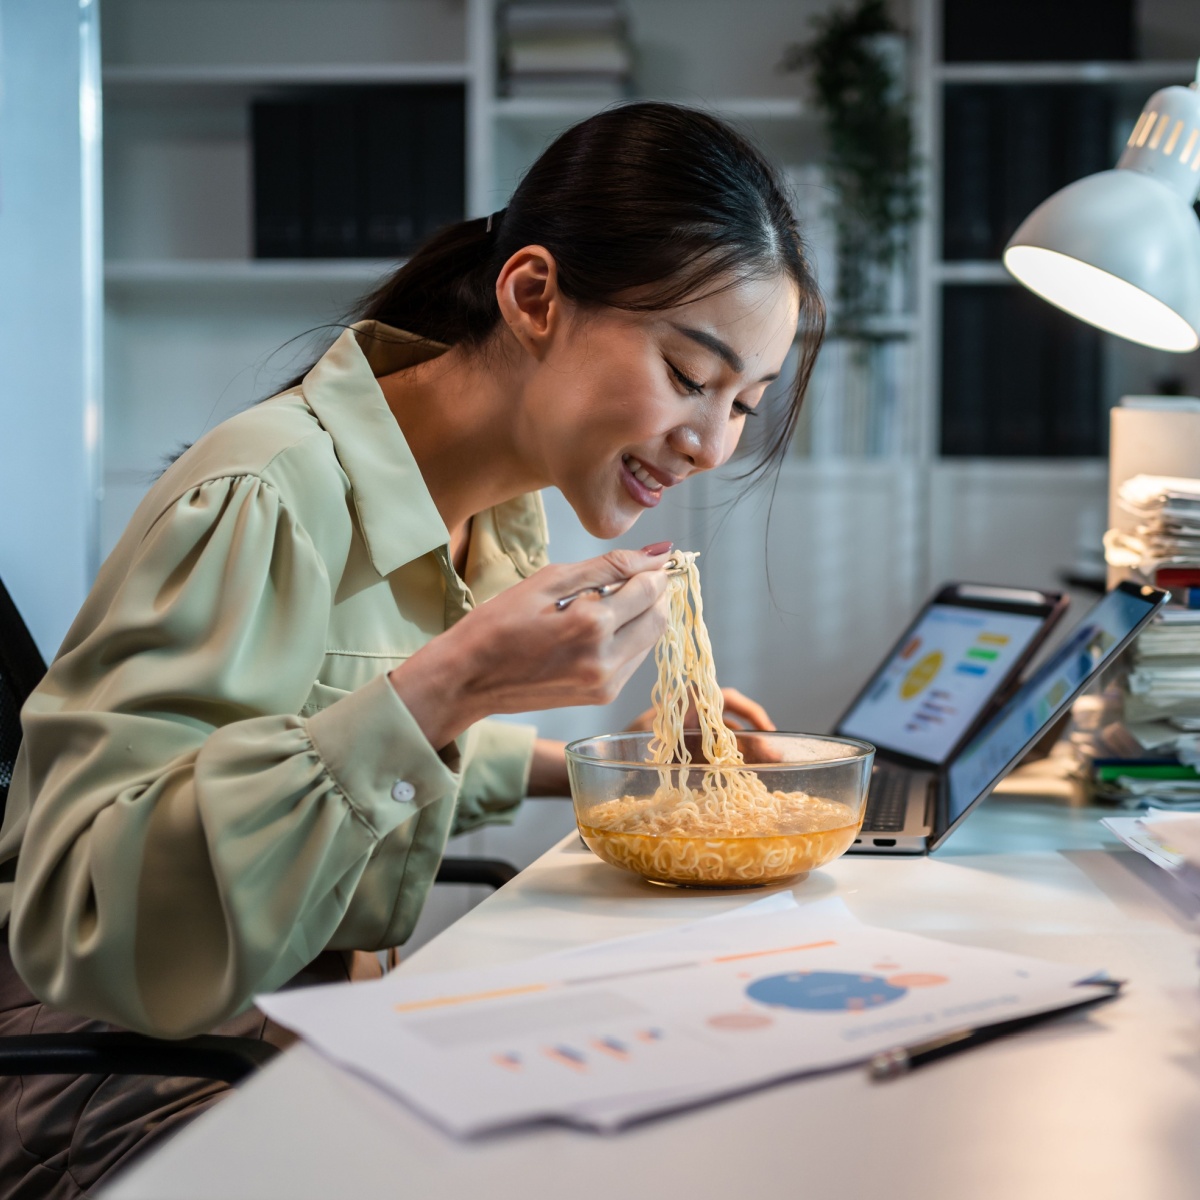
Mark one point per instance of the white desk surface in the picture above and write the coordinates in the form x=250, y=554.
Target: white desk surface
x=1087, y=1107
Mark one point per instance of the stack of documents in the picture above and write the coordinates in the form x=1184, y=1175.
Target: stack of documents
x=565, y=48
x=1166, y=534
x=1171, y=840
x=1162, y=692
x=612, y=1033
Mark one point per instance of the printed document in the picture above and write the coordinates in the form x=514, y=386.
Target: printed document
x=606, y=1035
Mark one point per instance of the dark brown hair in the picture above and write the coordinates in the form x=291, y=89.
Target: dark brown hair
x=657, y=197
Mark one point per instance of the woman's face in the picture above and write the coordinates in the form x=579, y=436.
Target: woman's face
x=624, y=405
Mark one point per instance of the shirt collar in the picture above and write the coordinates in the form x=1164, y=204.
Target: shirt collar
x=397, y=515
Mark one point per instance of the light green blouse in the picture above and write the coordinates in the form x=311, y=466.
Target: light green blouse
x=217, y=781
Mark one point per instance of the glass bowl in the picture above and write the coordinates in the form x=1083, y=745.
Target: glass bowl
x=796, y=805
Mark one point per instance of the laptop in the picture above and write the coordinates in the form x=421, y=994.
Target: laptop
x=915, y=804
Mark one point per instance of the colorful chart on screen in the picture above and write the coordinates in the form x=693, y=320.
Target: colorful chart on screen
x=939, y=680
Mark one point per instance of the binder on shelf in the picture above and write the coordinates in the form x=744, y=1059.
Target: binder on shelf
x=1009, y=146
x=389, y=180
x=969, y=184
x=1076, y=428
x=281, y=134
x=1019, y=379
x=1029, y=122
x=358, y=172
x=1019, y=358
x=1066, y=30
x=1088, y=115
x=441, y=153
x=337, y=165
x=965, y=340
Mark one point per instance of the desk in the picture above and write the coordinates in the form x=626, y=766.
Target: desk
x=1092, y=1106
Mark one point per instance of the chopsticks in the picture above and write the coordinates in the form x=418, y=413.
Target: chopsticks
x=673, y=566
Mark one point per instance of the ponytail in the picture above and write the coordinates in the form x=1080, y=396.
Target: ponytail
x=447, y=291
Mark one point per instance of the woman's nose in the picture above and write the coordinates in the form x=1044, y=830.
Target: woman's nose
x=703, y=446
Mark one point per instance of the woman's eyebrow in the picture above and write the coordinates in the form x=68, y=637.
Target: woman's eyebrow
x=711, y=342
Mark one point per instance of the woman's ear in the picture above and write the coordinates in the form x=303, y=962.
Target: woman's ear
x=529, y=299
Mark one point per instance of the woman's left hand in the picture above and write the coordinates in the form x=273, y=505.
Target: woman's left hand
x=740, y=713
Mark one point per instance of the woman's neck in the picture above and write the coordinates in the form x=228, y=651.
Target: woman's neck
x=458, y=415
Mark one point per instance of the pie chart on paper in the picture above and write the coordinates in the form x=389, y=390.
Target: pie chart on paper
x=824, y=991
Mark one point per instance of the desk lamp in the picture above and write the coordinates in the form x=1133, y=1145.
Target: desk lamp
x=1121, y=249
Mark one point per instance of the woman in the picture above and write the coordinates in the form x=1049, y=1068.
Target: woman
x=242, y=768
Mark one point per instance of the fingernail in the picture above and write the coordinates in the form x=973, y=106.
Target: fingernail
x=657, y=548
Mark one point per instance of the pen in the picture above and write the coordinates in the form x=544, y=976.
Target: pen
x=899, y=1061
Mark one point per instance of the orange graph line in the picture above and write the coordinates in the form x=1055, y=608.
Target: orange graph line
x=443, y=1001
x=780, y=950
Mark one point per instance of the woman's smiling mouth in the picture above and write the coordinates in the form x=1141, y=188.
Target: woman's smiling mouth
x=639, y=483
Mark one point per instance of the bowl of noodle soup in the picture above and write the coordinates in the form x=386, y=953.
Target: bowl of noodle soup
x=778, y=807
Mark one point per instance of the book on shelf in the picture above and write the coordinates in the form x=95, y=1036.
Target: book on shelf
x=1018, y=379
x=1007, y=147
x=583, y=52
x=563, y=16
x=566, y=49
x=337, y=163
x=357, y=172
x=1034, y=30
x=854, y=407
x=390, y=222
x=282, y=133
x=439, y=176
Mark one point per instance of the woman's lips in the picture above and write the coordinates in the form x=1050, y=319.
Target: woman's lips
x=646, y=497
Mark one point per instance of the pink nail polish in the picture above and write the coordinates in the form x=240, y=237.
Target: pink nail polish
x=656, y=548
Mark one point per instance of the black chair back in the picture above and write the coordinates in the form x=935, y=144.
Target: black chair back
x=21, y=670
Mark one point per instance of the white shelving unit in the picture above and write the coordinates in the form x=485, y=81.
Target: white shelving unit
x=1010, y=519
x=178, y=79
x=196, y=328
x=185, y=272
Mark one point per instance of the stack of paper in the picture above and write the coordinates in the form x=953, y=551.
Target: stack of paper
x=1167, y=529
x=1161, y=541
x=560, y=48
x=609, y=1034
x=1169, y=839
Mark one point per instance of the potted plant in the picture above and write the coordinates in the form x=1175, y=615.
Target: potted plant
x=856, y=72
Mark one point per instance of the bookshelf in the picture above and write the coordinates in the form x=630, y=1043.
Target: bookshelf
x=196, y=328
x=179, y=77
x=1002, y=519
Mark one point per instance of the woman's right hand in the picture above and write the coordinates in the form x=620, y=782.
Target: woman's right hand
x=517, y=652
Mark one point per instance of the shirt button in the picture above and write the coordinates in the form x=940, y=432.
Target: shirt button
x=403, y=791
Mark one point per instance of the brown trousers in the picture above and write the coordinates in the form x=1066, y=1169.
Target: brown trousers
x=61, y=1136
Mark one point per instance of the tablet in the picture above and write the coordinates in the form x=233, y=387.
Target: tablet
x=954, y=664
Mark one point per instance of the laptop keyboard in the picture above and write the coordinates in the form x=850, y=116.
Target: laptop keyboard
x=887, y=801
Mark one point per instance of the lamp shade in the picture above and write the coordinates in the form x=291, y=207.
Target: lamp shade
x=1121, y=249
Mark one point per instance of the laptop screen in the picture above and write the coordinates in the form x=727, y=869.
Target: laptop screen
x=1045, y=696
x=939, y=680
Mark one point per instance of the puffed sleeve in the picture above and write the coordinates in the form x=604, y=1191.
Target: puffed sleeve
x=498, y=756
x=190, y=842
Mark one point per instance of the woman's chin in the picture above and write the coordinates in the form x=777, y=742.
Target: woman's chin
x=607, y=525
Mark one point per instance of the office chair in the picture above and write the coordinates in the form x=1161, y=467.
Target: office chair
x=208, y=1056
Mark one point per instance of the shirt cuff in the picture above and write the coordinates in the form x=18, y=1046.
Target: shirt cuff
x=499, y=756
x=377, y=755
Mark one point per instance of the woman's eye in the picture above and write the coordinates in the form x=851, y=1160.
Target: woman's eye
x=743, y=410
x=688, y=384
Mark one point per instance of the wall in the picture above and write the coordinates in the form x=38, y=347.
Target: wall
x=49, y=289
